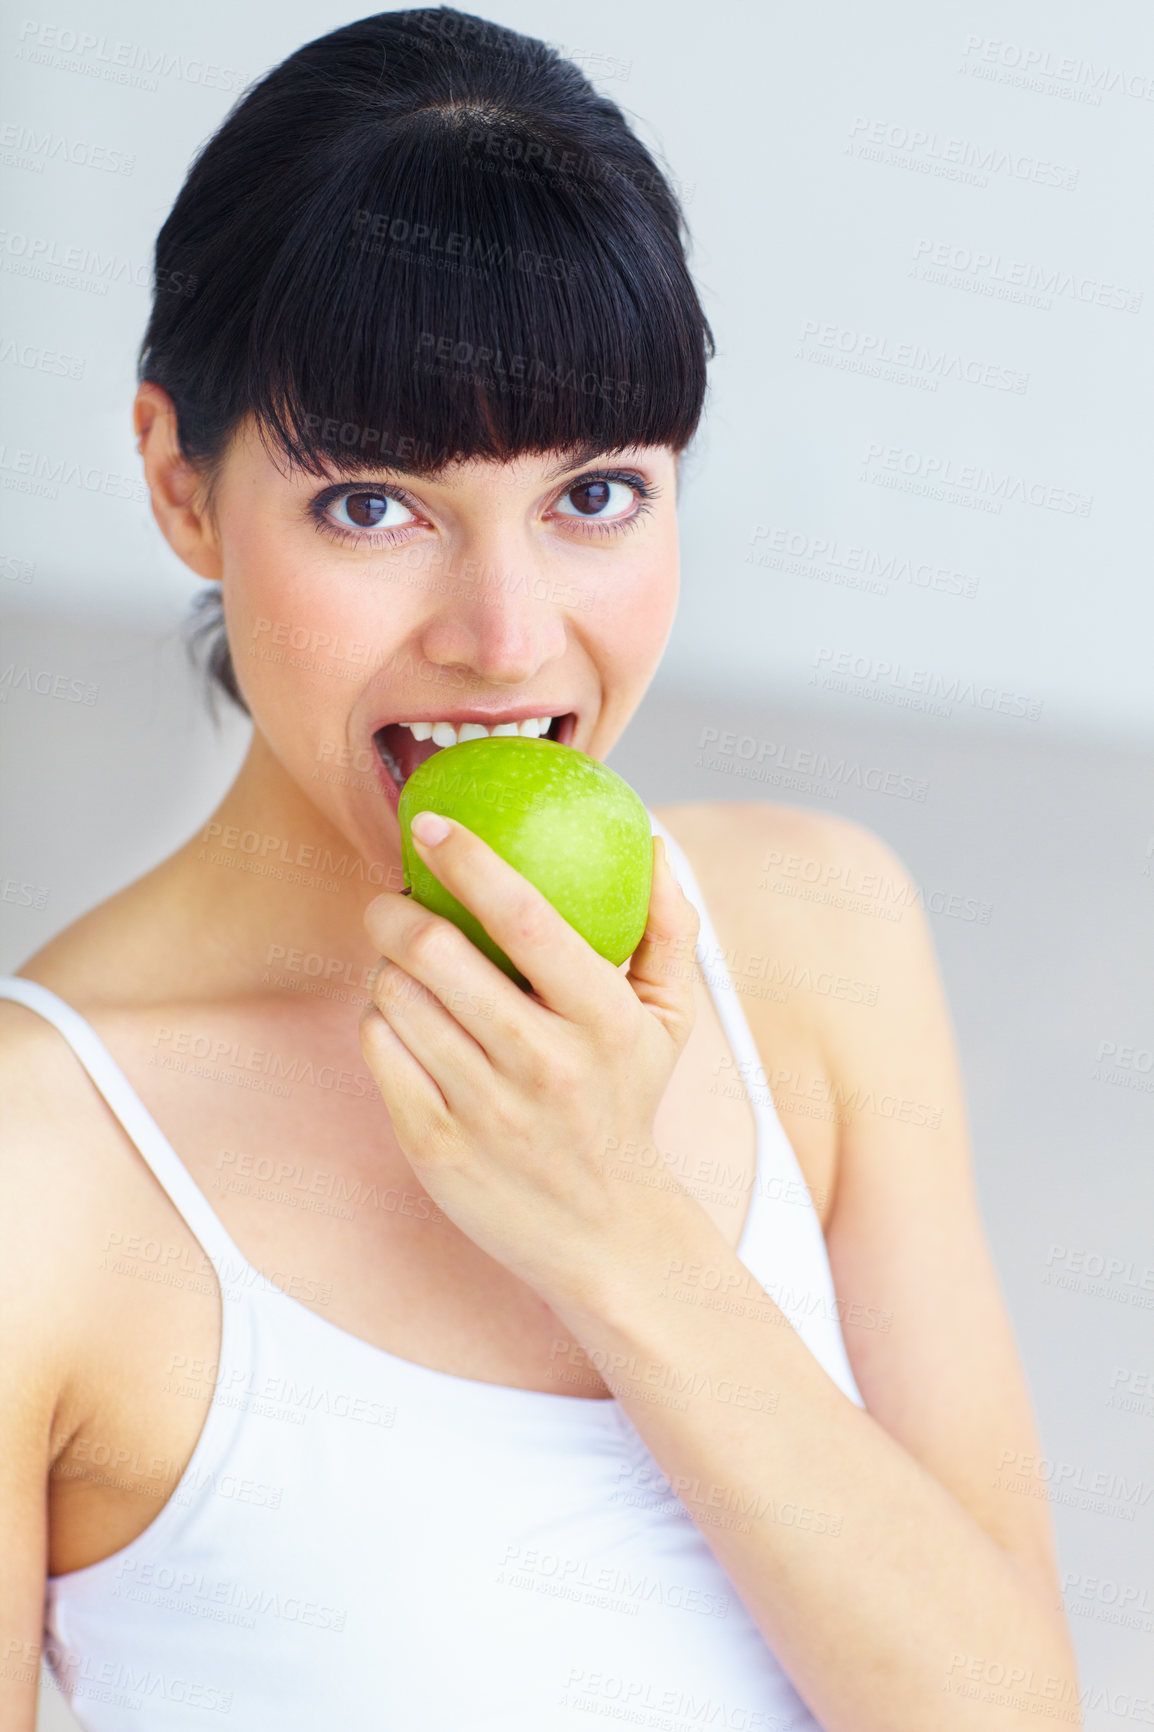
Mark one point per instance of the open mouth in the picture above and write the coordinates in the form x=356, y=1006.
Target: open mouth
x=402, y=746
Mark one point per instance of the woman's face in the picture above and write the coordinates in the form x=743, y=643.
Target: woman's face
x=488, y=594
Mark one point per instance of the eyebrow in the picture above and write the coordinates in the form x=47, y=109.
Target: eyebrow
x=347, y=465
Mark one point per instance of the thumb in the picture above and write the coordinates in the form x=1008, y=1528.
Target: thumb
x=663, y=967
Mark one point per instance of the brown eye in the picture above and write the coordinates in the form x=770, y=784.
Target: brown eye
x=590, y=497
x=366, y=509
x=369, y=510
x=597, y=498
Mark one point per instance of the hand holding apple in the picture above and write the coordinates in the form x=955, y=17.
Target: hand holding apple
x=571, y=825
x=508, y=1103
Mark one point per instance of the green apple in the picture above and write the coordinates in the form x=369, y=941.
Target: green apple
x=565, y=821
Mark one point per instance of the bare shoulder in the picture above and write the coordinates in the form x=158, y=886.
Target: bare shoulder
x=48, y=1113
x=38, y=1089
x=834, y=916
x=815, y=886
x=840, y=922
x=65, y=1171
x=821, y=865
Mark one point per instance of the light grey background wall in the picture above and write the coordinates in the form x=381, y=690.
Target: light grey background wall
x=915, y=540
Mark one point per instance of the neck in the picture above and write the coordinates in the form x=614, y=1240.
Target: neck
x=268, y=893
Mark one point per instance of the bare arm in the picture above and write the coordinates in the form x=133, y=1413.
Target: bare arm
x=917, y=1591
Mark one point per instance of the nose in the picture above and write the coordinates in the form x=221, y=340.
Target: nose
x=501, y=618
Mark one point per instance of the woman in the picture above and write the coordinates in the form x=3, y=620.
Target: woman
x=398, y=1348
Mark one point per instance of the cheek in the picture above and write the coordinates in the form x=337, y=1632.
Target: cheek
x=299, y=641
x=634, y=615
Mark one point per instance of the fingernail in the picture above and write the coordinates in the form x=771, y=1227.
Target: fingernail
x=430, y=828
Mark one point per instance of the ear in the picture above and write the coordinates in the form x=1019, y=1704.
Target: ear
x=176, y=489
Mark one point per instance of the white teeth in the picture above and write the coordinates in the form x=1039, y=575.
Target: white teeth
x=451, y=734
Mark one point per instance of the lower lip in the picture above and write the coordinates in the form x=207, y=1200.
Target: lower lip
x=393, y=794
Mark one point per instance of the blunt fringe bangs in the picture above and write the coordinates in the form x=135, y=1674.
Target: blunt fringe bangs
x=424, y=238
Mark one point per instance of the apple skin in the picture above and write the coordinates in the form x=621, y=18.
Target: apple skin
x=569, y=824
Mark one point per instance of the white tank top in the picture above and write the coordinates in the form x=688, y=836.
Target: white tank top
x=360, y=1542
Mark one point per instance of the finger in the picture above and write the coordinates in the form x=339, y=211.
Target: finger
x=661, y=970
x=414, y=1103
x=566, y=973
x=437, y=955
x=431, y=1032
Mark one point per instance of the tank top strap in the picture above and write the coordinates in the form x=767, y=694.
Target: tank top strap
x=709, y=954
x=135, y=1119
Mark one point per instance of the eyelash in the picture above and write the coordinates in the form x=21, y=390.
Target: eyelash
x=644, y=493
